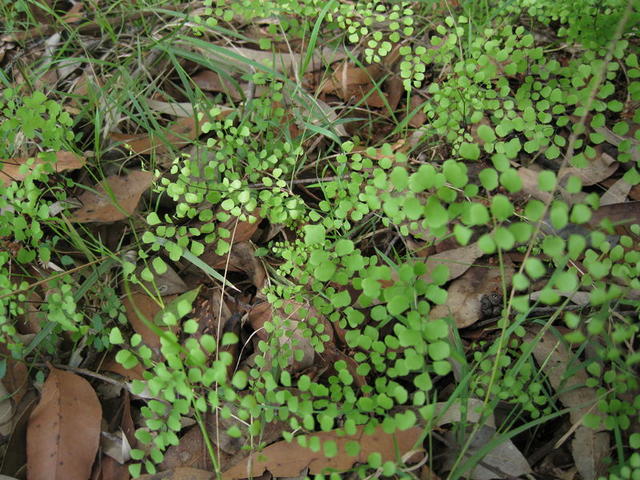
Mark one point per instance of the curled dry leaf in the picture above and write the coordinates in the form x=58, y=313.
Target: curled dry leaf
x=116, y=445
x=64, y=161
x=284, y=459
x=466, y=296
x=64, y=429
x=100, y=206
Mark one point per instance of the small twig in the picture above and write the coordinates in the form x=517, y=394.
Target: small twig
x=85, y=372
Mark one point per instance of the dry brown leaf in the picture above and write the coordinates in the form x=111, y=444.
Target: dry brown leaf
x=284, y=459
x=617, y=193
x=568, y=378
x=6, y=411
x=457, y=260
x=241, y=259
x=419, y=118
x=465, y=296
x=64, y=161
x=167, y=283
x=191, y=453
x=16, y=378
x=599, y=168
x=134, y=373
x=241, y=231
x=98, y=206
x=178, y=134
x=149, y=308
x=505, y=457
x=180, y=473
x=116, y=445
x=615, y=139
x=353, y=83
x=12, y=389
x=177, y=109
x=212, y=82
x=281, y=62
x=109, y=469
x=395, y=91
x=530, y=184
x=64, y=429
x=590, y=450
x=300, y=314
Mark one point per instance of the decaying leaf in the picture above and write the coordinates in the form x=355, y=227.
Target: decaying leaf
x=100, y=205
x=241, y=259
x=167, y=283
x=141, y=304
x=530, y=186
x=284, y=459
x=617, y=193
x=299, y=315
x=350, y=82
x=213, y=82
x=64, y=161
x=109, y=469
x=457, y=260
x=12, y=388
x=182, y=132
x=116, y=445
x=599, y=168
x=468, y=296
x=180, y=473
x=177, y=109
x=616, y=140
x=241, y=231
x=503, y=461
x=568, y=378
x=590, y=451
x=6, y=411
x=243, y=59
x=64, y=429
x=191, y=453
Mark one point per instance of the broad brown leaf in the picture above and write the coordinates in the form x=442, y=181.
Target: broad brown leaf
x=64, y=161
x=64, y=429
x=464, y=300
x=99, y=206
x=457, y=260
x=182, y=132
x=284, y=459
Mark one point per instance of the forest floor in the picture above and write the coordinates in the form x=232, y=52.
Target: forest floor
x=251, y=239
